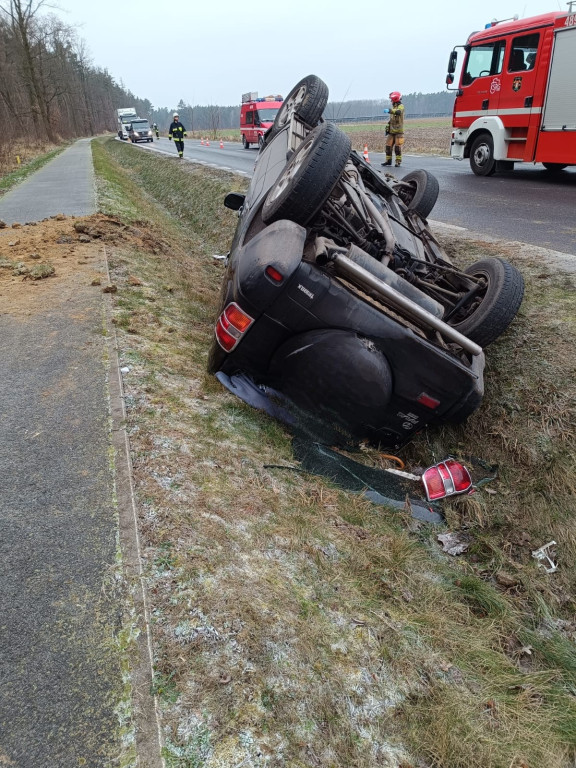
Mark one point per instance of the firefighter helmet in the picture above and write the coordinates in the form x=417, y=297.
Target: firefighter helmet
x=175, y=114
x=395, y=96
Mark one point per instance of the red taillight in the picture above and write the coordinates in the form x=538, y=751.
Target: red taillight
x=427, y=400
x=231, y=325
x=273, y=274
x=446, y=479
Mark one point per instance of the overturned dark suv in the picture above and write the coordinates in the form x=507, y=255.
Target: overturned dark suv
x=339, y=308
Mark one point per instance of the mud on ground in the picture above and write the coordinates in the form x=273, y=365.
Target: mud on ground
x=59, y=254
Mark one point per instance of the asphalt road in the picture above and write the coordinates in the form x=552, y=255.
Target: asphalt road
x=528, y=204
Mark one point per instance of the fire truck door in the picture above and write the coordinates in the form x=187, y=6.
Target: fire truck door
x=519, y=106
x=481, y=82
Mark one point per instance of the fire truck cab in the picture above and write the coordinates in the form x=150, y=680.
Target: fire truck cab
x=516, y=99
x=256, y=116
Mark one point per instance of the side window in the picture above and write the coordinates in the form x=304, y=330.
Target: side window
x=523, y=52
x=249, y=118
x=485, y=59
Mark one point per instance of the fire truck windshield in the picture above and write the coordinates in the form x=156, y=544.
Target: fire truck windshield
x=485, y=59
x=267, y=115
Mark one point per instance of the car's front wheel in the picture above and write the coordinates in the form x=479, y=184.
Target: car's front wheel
x=492, y=308
x=306, y=101
x=419, y=191
x=309, y=176
x=554, y=167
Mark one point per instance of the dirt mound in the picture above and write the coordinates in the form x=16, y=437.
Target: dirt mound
x=60, y=253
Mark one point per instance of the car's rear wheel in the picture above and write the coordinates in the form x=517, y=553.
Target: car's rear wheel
x=309, y=176
x=489, y=313
x=306, y=101
x=245, y=144
x=421, y=192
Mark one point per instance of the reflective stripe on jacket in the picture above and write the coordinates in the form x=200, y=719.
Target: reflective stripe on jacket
x=176, y=131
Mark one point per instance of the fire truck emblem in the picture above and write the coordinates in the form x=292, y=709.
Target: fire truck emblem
x=495, y=85
x=517, y=84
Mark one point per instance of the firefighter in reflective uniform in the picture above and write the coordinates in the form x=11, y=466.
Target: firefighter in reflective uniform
x=177, y=132
x=395, y=130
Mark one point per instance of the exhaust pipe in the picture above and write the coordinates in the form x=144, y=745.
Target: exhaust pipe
x=363, y=278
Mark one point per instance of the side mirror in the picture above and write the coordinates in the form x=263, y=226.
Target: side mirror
x=452, y=63
x=449, y=78
x=234, y=201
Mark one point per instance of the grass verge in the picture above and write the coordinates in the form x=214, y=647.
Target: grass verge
x=296, y=624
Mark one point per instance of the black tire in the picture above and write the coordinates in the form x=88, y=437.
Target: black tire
x=493, y=309
x=245, y=144
x=309, y=176
x=307, y=100
x=260, y=142
x=425, y=192
x=482, y=155
x=555, y=167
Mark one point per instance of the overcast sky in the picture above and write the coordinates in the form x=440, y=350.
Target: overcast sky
x=212, y=51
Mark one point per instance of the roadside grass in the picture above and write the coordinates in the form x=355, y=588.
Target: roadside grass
x=32, y=158
x=296, y=624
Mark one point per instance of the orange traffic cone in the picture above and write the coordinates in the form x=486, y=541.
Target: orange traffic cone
x=221, y=144
x=366, y=157
x=202, y=141
x=207, y=142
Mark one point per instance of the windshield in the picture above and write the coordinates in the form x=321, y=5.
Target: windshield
x=485, y=59
x=267, y=115
x=143, y=125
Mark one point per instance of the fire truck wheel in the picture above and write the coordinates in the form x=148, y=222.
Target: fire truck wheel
x=260, y=141
x=554, y=167
x=421, y=192
x=307, y=101
x=482, y=155
x=492, y=309
x=245, y=144
x=309, y=176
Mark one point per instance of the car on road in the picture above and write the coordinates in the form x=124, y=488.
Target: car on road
x=340, y=312
x=140, y=130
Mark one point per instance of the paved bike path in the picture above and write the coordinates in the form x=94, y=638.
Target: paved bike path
x=60, y=670
x=63, y=185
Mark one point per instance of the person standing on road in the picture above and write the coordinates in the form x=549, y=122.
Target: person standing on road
x=395, y=129
x=155, y=129
x=177, y=132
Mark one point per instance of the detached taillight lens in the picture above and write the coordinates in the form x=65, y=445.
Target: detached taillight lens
x=446, y=479
x=231, y=326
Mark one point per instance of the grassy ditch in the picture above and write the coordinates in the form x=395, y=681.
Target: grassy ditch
x=296, y=624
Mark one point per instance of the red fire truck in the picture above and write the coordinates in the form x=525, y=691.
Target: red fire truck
x=516, y=100
x=256, y=116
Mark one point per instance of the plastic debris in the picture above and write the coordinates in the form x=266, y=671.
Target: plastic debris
x=544, y=557
x=454, y=543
